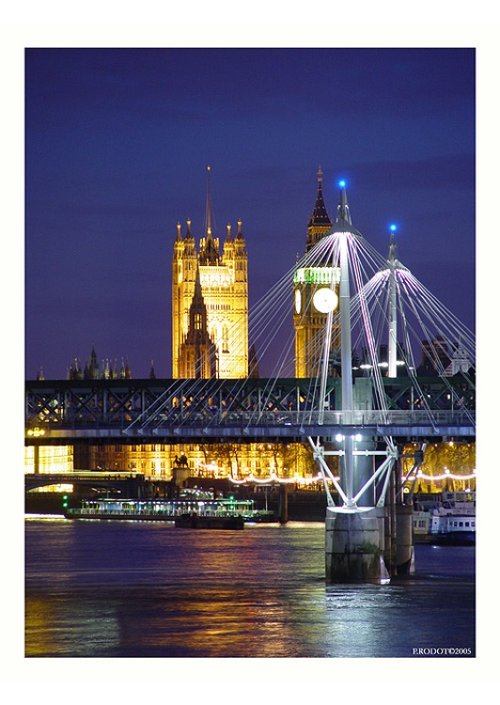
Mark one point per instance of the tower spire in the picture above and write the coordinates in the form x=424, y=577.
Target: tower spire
x=209, y=246
x=198, y=294
x=319, y=222
x=208, y=214
x=319, y=215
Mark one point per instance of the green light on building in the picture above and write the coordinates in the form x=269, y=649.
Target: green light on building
x=316, y=275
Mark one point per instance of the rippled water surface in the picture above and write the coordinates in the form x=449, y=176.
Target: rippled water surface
x=140, y=589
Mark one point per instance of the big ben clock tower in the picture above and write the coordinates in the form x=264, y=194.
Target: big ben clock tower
x=315, y=292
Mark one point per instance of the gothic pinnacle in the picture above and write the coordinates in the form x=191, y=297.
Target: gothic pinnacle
x=319, y=215
x=208, y=215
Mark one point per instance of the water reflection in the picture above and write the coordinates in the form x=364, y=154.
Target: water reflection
x=65, y=626
x=108, y=589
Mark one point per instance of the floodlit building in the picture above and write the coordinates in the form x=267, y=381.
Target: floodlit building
x=223, y=280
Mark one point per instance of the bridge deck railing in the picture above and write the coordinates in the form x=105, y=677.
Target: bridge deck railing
x=299, y=419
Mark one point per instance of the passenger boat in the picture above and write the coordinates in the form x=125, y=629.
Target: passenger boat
x=453, y=529
x=446, y=519
x=191, y=513
x=421, y=525
x=194, y=521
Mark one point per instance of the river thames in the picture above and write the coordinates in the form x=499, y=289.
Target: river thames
x=131, y=589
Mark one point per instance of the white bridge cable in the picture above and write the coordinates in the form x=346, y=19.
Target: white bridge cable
x=272, y=314
x=366, y=323
x=436, y=314
x=412, y=301
x=376, y=299
x=146, y=415
x=315, y=256
x=266, y=303
x=441, y=333
x=435, y=332
x=380, y=298
x=438, y=364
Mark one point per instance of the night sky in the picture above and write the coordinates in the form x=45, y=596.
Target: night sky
x=117, y=144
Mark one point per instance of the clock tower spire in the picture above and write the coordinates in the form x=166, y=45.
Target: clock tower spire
x=315, y=291
x=319, y=223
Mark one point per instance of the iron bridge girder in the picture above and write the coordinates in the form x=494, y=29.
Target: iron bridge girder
x=252, y=408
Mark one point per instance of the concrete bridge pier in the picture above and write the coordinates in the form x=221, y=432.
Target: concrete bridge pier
x=354, y=550
x=390, y=526
x=355, y=536
x=405, y=550
x=399, y=540
x=283, y=504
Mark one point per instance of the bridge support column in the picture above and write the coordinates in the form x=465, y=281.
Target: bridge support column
x=405, y=551
x=363, y=469
x=283, y=504
x=354, y=550
x=390, y=525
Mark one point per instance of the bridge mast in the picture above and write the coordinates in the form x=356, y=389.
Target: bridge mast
x=343, y=225
x=393, y=320
x=355, y=532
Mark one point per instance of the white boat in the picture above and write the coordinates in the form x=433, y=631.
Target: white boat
x=453, y=529
x=449, y=518
x=421, y=524
x=169, y=510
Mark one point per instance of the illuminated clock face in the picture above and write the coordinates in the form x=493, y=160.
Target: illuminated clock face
x=298, y=300
x=325, y=300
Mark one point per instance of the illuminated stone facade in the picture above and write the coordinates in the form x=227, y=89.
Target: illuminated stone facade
x=447, y=465
x=49, y=460
x=198, y=353
x=224, y=288
x=237, y=460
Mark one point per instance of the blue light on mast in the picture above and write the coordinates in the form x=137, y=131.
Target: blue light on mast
x=393, y=227
x=342, y=183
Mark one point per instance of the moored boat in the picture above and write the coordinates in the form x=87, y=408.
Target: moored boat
x=202, y=513
x=453, y=529
x=449, y=519
x=421, y=525
x=194, y=521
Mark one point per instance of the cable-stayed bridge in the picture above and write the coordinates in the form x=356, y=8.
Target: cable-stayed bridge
x=353, y=298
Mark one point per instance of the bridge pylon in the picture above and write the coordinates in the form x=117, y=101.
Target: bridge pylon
x=356, y=531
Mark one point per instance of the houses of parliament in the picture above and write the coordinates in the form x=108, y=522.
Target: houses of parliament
x=210, y=339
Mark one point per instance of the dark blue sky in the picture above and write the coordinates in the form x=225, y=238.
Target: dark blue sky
x=117, y=143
